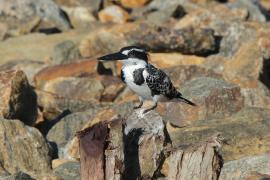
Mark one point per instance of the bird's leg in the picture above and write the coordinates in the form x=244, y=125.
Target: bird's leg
x=140, y=105
x=151, y=108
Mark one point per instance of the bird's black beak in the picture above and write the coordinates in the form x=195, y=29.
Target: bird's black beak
x=113, y=57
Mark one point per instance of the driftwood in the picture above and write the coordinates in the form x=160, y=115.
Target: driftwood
x=141, y=148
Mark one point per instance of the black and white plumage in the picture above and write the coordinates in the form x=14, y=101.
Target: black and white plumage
x=147, y=81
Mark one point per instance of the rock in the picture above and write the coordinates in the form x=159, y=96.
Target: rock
x=18, y=176
x=113, y=87
x=182, y=74
x=237, y=34
x=265, y=4
x=193, y=41
x=65, y=52
x=65, y=130
x=133, y=3
x=243, y=169
x=3, y=172
x=145, y=139
x=83, y=88
x=58, y=162
x=68, y=171
x=102, y=42
x=18, y=99
x=23, y=9
x=93, y=5
x=214, y=98
x=243, y=130
x=35, y=46
x=23, y=148
x=54, y=106
x=198, y=161
x=80, y=17
x=257, y=96
x=164, y=16
x=246, y=64
x=256, y=11
x=79, y=69
x=256, y=176
x=30, y=67
x=3, y=31
x=216, y=17
x=264, y=44
x=113, y=14
x=187, y=41
x=167, y=60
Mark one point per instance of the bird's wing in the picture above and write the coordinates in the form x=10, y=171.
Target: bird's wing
x=160, y=83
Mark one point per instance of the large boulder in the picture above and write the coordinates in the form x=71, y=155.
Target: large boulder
x=23, y=148
x=18, y=99
x=35, y=46
x=214, y=98
x=243, y=169
x=23, y=11
x=68, y=171
x=246, y=132
x=28, y=66
x=65, y=130
x=113, y=14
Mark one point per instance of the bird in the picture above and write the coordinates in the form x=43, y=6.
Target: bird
x=144, y=79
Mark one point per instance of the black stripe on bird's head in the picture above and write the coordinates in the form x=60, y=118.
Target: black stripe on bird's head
x=127, y=53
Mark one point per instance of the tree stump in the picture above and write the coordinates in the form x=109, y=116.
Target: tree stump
x=141, y=148
x=101, y=151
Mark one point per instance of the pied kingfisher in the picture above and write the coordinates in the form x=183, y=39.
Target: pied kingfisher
x=147, y=81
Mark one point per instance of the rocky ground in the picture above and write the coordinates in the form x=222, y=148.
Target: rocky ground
x=217, y=53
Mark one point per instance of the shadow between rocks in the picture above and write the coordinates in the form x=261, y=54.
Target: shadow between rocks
x=265, y=73
x=131, y=155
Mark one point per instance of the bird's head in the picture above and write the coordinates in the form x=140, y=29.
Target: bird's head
x=129, y=55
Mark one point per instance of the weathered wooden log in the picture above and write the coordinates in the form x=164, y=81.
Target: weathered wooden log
x=141, y=149
x=92, y=145
x=145, y=140
x=114, y=153
x=101, y=151
x=197, y=162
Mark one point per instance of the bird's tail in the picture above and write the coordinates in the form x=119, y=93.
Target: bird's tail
x=180, y=98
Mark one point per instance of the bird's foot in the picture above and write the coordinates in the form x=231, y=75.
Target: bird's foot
x=138, y=106
x=145, y=111
x=150, y=109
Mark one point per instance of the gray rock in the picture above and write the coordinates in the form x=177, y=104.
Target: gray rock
x=18, y=176
x=18, y=100
x=241, y=168
x=65, y=52
x=255, y=9
x=215, y=98
x=23, y=9
x=93, y=5
x=246, y=131
x=23, y=148
x=65, y=130
x=30, y=67
x=68, y=171
x=235, y=36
